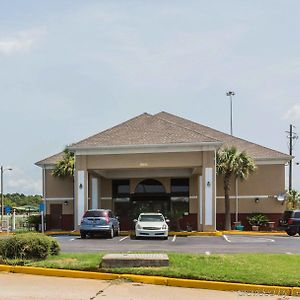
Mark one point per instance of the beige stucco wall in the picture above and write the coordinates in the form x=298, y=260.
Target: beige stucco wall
x=139, y=161
x=267, y=180
x=58, y=187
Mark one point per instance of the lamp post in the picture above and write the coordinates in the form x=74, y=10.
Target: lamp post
x=230, y=94
x=2, y=202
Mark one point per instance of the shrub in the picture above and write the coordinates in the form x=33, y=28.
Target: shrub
x=28, y=246
x=258, y=220
x=34, y=221
x=54, y=247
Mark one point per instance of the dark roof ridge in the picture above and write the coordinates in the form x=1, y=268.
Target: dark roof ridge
x=228, y=135
x=186, y=128
x=113, y=127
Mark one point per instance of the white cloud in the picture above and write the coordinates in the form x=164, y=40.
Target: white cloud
x=21, y=41
x=18, y=181
x=293, y=113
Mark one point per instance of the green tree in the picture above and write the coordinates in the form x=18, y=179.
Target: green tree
x=232, y=164
x=65, y=166
x=293, y=200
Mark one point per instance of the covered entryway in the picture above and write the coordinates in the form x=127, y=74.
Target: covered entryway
x=150, y=196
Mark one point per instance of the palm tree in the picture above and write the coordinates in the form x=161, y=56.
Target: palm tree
x=65, y=166
x=232, y=163
x=293, y=199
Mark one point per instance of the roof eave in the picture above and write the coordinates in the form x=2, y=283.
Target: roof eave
x=148, y=148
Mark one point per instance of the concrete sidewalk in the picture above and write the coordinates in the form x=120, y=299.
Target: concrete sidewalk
x=34, y=287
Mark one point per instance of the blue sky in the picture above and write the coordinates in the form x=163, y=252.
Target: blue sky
x=69, y=69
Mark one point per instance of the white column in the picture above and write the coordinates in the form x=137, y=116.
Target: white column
x=81, y=190
x=200, y=200
x=94, y=193
x=209, y=210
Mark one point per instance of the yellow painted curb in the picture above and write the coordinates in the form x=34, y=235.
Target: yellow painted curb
x=158, y=280
x=146, y=279
x=295, y=291
x=185, y=233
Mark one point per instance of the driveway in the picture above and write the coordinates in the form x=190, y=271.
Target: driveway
x=33, y=287
x=220, y=244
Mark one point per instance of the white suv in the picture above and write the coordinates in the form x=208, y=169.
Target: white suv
x=151, y=225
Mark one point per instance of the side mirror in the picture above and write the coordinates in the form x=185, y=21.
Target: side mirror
x=167, y=221
x=135, y=220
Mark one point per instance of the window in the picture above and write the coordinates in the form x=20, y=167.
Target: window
x=120, y=188
x=121, y=197
x=150, y=186
x=180, y=187
x=179, y=196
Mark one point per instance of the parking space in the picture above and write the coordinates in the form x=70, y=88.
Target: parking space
x=191, y=244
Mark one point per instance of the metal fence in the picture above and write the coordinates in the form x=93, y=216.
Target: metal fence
x=16, y=223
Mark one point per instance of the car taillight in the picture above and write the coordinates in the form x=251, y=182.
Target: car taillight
x=290, y=221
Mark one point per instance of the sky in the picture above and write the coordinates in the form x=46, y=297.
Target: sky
x=69, y=69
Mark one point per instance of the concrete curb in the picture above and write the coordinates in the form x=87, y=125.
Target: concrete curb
x=159, y=280
x=184, y=233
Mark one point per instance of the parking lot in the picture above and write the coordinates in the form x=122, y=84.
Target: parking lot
x=218, y=244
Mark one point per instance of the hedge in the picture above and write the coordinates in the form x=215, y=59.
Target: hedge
x=28, y=246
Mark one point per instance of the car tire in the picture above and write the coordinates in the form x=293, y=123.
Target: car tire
x=83, y=235
x=118, y=232
x=111, y=233
x=291, y=232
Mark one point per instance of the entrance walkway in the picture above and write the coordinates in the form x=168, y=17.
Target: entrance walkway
x=33, y=287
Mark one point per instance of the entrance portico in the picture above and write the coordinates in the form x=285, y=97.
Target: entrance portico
x=172, y=182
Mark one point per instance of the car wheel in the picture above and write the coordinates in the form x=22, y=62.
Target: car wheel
x=118, y=232
x=83, y=235
x=111, y=233
x=291, y=232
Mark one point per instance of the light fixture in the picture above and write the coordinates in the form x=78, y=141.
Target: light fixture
x=66, y=203
x=208, y=184
x=256, y=200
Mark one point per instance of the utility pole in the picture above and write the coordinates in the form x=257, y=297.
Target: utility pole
x=292, y=136
x=230, y=94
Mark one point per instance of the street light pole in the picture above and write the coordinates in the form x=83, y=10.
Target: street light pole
x=2, y=208
x=2, y=201
x=230, y=94
x=292, y=136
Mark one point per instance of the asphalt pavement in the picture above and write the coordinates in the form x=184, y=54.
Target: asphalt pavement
x=217, y=244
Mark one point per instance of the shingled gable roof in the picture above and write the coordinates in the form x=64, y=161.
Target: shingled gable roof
x=145, y=129
x=165, y=128
x=258, y=152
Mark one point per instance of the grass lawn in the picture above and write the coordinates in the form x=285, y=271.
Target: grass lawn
x=269, y=269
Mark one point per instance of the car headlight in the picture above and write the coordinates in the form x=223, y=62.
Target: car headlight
x=138, y=226
x=164, y=226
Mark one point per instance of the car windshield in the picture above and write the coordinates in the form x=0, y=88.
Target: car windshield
x=95, y=213
x=151, y=218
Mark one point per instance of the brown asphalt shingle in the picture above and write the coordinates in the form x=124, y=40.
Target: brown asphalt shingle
x=165, y=128
x=145, y=129
x=255, y=150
